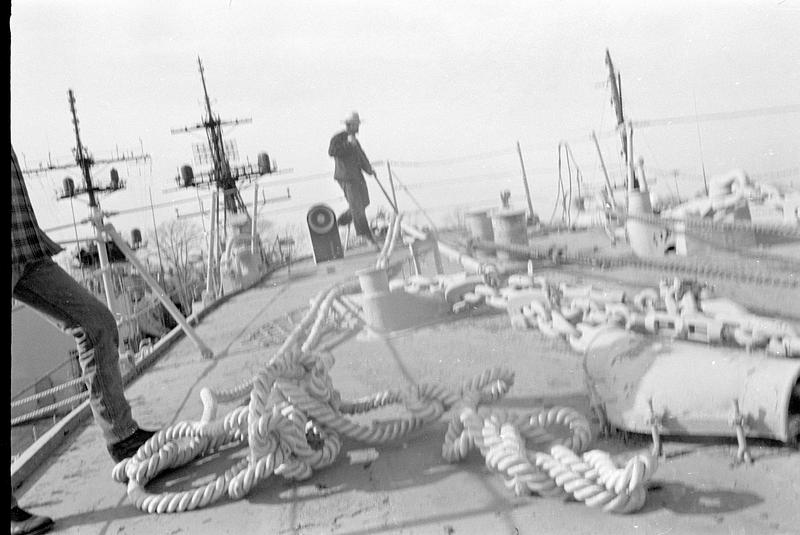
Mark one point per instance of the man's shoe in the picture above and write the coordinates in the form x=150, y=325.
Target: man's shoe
x=128, y=447
x=345, y=218
x=24, y=523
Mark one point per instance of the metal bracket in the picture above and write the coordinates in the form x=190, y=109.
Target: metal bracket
x=739, y=423
x=656, y=423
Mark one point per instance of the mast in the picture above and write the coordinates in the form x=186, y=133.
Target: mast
x=615, y=82
x=221, y=169
x=85, y=162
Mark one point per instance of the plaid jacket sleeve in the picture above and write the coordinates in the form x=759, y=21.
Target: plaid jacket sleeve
x=28, y=242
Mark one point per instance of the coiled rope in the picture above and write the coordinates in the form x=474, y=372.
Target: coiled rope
x=534, y=461
x=295, y=419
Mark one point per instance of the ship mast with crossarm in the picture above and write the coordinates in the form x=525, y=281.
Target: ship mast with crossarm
x=222, y=175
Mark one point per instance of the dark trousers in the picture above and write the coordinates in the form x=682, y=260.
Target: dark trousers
x=357, y=195
x=48, y=289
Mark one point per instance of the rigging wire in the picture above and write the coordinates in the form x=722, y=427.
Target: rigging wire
x=717, y=116
x=603, y=112
x=700, y=145
x=564, y=190
x=413, y=199
x=450, y=161
x=468, y=178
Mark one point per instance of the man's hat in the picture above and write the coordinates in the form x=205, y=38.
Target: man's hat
x=353, y=118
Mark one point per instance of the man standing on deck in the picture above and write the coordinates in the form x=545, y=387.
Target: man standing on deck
x=41, y=284
x=350, y=161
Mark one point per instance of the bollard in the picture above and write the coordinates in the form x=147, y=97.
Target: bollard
x=373, y=281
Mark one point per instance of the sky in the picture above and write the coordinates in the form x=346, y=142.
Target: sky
x=431, y=81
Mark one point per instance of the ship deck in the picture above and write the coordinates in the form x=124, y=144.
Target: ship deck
x=408, y=487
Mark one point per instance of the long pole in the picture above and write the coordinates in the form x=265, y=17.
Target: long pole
x=105, y=265
x=212, y=257
x=391, y=185
x=385, y=193
x=525, y=182
x=218, y=246
x=700, y=145
x=202, y=210
x=75, y=228
x=605, y=172
x=632, y=183
x=254, y=226
x=155, y=233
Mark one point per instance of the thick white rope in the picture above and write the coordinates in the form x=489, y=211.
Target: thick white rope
x=295, y=417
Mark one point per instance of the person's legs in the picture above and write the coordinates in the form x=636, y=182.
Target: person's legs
x=345, y=218
x=357, y=196
x=46, y=287
x=361, y=224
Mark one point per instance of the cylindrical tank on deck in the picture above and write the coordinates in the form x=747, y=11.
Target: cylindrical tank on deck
x=509, y=228
x=264, y=166
x=114, y=179
x=480, y=224
x=69, y=187
x=136, y=238
x=691, y=387
x=187, y=175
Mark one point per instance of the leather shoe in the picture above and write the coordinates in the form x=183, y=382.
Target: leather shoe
x=24, y=523
x=345, y=218
x=128, y=447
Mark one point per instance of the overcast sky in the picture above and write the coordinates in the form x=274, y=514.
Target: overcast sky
x=431, y=79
